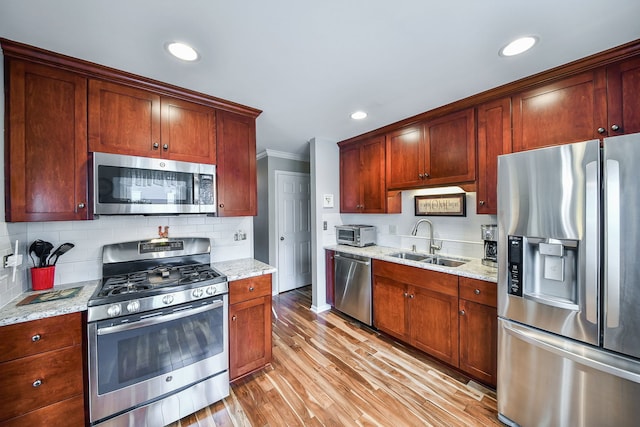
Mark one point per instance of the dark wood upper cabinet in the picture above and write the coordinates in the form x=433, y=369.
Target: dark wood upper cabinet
x=236, y=165
x=566, y=111
x=494, y=139
x=439, y=151
x=137, y=122
x=623, y=87
x=46, y=144
x=362, y=178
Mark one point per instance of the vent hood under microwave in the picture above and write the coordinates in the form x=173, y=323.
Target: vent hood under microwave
x=130, y=185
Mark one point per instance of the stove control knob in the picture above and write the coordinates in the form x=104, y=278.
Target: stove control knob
x=211, y=290
x=197, y=293
x=167, y=299
x=114, y=310
x=133, y=306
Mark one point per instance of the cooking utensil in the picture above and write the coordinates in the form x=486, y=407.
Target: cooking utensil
x=62, y=249
x=39, y=247
x=46, y=250
x=32, y=249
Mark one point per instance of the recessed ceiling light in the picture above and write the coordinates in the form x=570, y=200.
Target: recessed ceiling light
x=518, y=46
x=182, y=51
x=358, y=115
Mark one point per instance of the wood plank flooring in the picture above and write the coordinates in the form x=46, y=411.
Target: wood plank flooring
x=330, y=371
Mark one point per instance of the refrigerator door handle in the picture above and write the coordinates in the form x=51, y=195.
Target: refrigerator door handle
x=612, y=259
x=591, y=241
x=607, y=364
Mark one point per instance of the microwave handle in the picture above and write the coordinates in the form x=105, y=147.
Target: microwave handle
x=196, y=188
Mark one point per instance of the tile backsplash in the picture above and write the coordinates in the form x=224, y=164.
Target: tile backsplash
x=84, y=261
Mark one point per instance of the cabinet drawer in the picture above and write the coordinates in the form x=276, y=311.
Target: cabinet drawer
x=69, y=412
x=252, y=287
x=59, y=373
x=479, y=291
x=29, y=338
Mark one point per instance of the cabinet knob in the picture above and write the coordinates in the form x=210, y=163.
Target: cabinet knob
x=81, y=205
x=156, y=145
x=221, y=205
x=405, y=294
x=615, y=127
x=412, y=296
x=37, y=383
x=477, y=292
x=481, y=202
x=426, y=175
x=36, y=338
x=251, y=289
x=601, y=130
x=462, y=313
x=233, y=318
x=420, y=176
x=165, y=147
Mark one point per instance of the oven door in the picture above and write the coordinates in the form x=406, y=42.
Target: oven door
x=136, y=359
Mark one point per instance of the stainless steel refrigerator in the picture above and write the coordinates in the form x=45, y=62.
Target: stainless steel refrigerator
x=569, y=285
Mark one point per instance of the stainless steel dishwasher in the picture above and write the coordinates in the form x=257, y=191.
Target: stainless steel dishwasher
x=353, y=286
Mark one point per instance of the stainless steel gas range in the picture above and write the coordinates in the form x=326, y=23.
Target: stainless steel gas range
x=157, y=333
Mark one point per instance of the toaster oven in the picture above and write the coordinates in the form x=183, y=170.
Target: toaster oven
x=356, y=235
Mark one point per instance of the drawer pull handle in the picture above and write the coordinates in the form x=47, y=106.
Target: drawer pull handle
x=477, y=291
x=36, y=338
x=251, y=289
x=37, y=383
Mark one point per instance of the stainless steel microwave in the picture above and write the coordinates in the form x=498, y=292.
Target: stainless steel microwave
x=130, y=185
x=356, y=235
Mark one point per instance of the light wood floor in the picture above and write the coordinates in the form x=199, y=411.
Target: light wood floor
x=328, y=371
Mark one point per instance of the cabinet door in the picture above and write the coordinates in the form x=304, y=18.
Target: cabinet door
x=123, y=120
x=389, y=312
x=350, y=187
x=374, y=192
x=188, y=131
x=46, y=152
x=405, y=158
x=570, y=110
x=434, y=323
x=249, y=335
x=494, y=139
x=479, y=341
x=450, y=149
x=236, y=169
x=623, y=87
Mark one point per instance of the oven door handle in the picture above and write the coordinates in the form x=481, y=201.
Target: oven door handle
x=155, y=319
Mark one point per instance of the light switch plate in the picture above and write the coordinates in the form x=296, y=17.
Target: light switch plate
x=327, y=201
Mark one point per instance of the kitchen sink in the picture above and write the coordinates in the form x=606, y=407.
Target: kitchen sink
x=430, y=259
x=411, y=256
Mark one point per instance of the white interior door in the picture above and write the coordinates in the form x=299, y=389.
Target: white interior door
x=293, y=201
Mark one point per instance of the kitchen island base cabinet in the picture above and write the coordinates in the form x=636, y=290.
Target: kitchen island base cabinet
x=249, y=325
x=42, y=381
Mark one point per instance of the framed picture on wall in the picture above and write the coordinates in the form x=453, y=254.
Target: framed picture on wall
x=441, y=205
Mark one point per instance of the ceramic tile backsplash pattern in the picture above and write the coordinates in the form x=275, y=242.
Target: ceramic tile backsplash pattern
x=84, y=261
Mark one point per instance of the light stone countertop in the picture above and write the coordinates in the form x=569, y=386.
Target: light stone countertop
x=12, y=313
x=474, y=269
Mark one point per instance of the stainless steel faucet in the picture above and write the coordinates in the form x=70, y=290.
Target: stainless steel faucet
x=432, y=246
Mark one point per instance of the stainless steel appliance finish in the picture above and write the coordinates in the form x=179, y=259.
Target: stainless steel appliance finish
x=130, y=185
x=353, y=286
x=569, y=328
x=157, y=333
x=359, y=235
x=489, y=234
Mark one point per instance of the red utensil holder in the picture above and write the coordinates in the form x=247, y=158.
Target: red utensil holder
x=42, y=277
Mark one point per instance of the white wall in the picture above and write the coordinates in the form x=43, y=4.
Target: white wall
x=325, y=179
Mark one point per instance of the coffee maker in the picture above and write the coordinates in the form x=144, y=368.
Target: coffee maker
x=490, y=237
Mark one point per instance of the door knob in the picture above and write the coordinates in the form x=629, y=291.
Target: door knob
x=281, y=237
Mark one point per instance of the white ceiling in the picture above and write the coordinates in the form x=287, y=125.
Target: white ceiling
x=309, y=64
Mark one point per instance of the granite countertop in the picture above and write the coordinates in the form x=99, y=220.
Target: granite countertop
x=12, y=313
x=473, y=269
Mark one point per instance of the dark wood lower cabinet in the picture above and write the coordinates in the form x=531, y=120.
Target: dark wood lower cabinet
x=452, y=319
x=249, y=325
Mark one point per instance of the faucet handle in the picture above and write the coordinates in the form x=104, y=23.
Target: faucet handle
x=436, y=246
